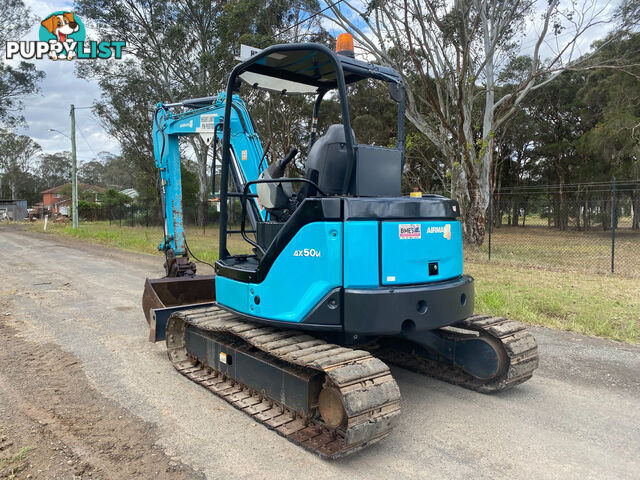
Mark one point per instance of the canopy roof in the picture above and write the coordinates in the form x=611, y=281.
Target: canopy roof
x=306, y=69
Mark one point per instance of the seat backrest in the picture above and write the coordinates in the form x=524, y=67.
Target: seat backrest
x=327, y=160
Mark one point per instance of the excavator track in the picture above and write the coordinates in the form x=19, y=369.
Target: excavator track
x=519, y=353
x=361, y=384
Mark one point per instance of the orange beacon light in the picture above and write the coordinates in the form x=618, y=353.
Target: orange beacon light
x=344, y=45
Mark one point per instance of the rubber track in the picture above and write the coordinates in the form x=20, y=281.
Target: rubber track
x=370, y=395
x=519, y=345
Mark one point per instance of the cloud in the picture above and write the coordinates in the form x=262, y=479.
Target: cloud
x=61, y=88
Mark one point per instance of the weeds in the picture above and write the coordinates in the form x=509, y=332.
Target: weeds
x=11, y=466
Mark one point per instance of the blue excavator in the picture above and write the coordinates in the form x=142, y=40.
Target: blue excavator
x=343, y=274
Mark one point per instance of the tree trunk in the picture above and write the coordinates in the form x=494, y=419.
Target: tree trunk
x=474, y=222
x=635, y=209
x=578, y=212
x=605, y=214
x=203, y=185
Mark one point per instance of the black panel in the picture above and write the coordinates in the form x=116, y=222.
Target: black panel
x=425, y=307
x=297, y=388
x=427, y=207
x=378, y=172
x=266, y=232
x=328, y=311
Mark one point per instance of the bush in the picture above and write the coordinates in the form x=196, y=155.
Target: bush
x=92, y=211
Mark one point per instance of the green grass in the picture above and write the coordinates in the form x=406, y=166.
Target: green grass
x=570, y=251
x=11, y=466
x=567, y=296
x=145, y=239
x=600, y=305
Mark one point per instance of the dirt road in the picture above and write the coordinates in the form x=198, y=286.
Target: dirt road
x=84, y=394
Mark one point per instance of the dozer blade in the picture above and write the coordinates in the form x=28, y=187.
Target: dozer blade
x=163, y=296
x=503, y=355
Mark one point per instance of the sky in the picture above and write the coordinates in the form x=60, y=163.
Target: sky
x=61, y=88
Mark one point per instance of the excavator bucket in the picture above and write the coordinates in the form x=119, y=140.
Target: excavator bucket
x=164, y=296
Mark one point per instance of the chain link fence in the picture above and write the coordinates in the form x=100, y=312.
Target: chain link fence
x=584, y=227
x=150, y=215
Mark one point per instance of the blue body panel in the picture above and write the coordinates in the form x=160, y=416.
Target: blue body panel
x=304, y=272
x=312, y=264
x=409, y=246
x=361, y=254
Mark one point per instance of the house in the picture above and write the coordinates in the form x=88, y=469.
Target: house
x=57, y=200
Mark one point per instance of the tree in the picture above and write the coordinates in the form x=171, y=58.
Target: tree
x=55, y=169
x=451, y=55
x=176, y=49
x=17, y=153
x=611, y=99
x=15, y=81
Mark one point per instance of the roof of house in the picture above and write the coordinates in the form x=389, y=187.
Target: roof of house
x=81, y=186
x=130, y=192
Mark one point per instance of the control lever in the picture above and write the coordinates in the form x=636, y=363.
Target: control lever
x=277, y=168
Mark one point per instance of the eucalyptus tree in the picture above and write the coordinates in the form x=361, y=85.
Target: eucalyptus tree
x=17, y=160
x=451, y=55
x=17, y=79
x=175, y=49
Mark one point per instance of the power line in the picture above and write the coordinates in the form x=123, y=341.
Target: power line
x=86, y=141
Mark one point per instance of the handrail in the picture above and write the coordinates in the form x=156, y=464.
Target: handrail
x=245, y=196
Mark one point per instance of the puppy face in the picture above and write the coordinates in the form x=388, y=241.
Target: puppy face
x=61, y=25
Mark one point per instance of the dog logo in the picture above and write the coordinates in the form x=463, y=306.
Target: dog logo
x=62, y=36
x=65, y=30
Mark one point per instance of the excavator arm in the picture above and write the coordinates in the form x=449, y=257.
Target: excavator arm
x=203, y=117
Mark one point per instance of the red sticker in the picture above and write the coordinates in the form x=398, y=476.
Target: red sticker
x=409, y=230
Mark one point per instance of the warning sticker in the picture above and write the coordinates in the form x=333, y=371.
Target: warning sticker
x=207, y=123
x=409, y=230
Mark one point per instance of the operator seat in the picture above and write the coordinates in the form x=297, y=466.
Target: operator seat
x=327, y=162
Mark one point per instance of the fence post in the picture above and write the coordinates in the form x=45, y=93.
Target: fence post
x=613, y=223
x=490, y=219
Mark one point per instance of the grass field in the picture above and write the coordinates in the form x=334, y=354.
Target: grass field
x=573, y=251
x=595, y=304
